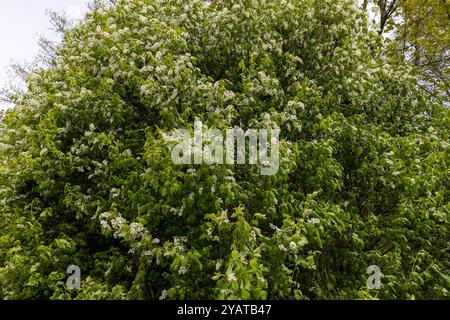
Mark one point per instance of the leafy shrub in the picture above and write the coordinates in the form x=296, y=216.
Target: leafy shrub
x=87, y=179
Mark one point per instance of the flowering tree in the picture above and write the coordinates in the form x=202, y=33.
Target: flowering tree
x=87, y=177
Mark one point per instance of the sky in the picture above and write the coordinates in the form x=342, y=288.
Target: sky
x=22, y=22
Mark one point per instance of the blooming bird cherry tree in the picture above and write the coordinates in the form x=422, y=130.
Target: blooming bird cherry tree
x=87, y=178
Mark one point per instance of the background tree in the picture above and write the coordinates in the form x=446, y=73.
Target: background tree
x=419, y=30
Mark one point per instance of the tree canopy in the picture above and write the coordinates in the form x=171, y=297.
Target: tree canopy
x=86, y=176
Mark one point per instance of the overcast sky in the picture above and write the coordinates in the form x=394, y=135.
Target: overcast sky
x=22, y=22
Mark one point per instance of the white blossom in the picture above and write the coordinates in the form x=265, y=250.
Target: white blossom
x=163, y=295
x=231, y=277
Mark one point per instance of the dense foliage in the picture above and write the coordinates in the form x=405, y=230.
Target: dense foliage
x=419, y=32
x=87, y=179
